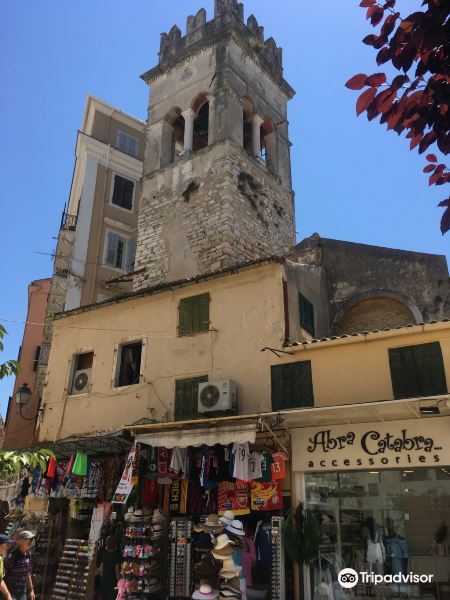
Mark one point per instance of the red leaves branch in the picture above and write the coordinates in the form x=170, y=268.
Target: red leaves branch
x=422, y=110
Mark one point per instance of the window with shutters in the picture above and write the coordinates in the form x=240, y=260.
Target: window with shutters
x=417, y=370
x=306, y=309
x=292, y=385
x=193, y=315
x=119, y=251
x=37, y=354
x=129, y=364
x=186, y=398
x=127, y=143
x=122, y=192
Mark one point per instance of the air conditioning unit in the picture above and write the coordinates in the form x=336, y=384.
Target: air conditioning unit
x=217, y=397
x=81, y=381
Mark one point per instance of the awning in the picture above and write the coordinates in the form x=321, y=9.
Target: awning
x=211, y=435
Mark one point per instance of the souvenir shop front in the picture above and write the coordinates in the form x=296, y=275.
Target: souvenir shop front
x=66, y=506
x=380, y=495
x=205, y=517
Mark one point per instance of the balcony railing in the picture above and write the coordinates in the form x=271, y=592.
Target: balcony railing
x=68, y=222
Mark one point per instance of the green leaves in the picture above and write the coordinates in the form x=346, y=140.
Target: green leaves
x=10, y=367
x=13, y=462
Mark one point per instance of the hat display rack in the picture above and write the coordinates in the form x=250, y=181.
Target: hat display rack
x=218, y=572
x=143, y=554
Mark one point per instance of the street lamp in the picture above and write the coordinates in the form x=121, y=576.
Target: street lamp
x=23, y=396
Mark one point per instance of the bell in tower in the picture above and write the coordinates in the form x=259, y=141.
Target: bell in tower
x=216, y=188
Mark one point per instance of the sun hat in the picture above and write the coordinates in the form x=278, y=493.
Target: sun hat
x=213, y=521
x=227, y=517
x=4, y=539
x=203, y=542
x=236, y=527
x=223, y=554
x=222, y=541
x=232, y=585
x=205, y=592
x=207, y=568
x=230, y=569
x=158, y=516
x=227, y=595
x=26, y=535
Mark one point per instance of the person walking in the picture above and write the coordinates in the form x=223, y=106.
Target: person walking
x=110, y=569
x=5, y=543
x=18, y=568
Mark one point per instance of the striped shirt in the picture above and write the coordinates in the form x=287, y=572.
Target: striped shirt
x=17, y=567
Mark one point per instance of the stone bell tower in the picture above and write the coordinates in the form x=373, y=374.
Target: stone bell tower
x=216, y=182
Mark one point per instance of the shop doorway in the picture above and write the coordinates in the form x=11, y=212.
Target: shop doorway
x=381, y=522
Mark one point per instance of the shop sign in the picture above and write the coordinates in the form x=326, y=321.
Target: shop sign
x=411, y=443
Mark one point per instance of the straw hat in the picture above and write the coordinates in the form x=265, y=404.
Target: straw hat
x=230, y=569
x=207, y=568
x=227, y=517
x=227, y=595
x=205, y=592
x=236, y=527
x=232, y=585
x=129, y=514
x=204, y=542
x=158, y=516
x=222, y=541
x=212, y=523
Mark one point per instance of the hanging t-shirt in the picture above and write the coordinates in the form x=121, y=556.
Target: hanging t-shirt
x=266, y=463
x=278, y=467
x=263, y=542
x=254, y=465
x=151, y=492
x=196, y=499
x=195, y=462
x=178, y=463
x=241, y=455
x=215, y=464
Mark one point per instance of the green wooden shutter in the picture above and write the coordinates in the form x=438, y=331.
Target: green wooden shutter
x=203, y=312
x=306, y=309
x=185, y=316
x=417, y=371
x=186, y=398
x=127, y=195
x=292, y=385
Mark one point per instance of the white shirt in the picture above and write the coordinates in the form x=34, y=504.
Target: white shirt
x=254, y=465
x=241, y=455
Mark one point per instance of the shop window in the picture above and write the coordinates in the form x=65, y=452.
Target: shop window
x=417, y=370
x=37, y=354
x=186, y=398
x=127, y=143
x=120, y=251
x=193, y=314
x=292, y=385
x=306, y=309
x=129, y=364
x=122, y=194
x=81, y=376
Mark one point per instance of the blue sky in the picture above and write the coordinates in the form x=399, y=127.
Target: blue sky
x=353, y=180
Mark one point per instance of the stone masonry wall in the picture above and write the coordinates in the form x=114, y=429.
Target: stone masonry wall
x=217, y=208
